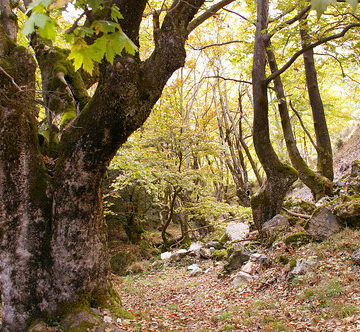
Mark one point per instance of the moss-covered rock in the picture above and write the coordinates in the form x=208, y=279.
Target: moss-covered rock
x=292, y=263
x=349, y=211
x=220, y=255
x=283, y=259
x=80, y=321
x=237, y=259
x=299, y=205
x=275, y=227
x=121, y=260
x=298, y=239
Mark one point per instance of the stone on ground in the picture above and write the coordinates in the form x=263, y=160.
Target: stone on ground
x=237, y=231
x=323, y=224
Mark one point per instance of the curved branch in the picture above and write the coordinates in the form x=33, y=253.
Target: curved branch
x=217, y=44
x=210, y=12
x=303, y=50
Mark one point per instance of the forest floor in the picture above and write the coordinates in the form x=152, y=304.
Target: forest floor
x=327, y=298
x=166, y=298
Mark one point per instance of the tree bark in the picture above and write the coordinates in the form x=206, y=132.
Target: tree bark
x=267, y=202
x=24, y=204
x=325, y=157
x=316, y=183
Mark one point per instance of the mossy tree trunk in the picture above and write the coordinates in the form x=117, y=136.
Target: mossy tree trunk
x=323, y=143
x=318, y=185
x=267, y=202
x=52, y=233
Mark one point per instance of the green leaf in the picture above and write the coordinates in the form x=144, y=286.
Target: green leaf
x=320, y=5
x=93, y=3
x=29, y=25
x=115, y=13
x=79, y=53
x=104, y=26
x=49, y=30
x=38, y=5
x=46, y=25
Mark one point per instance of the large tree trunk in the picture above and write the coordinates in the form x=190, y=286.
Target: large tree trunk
x=267, y=202
x=52, y=234
x=325, y=157
x=317, y=183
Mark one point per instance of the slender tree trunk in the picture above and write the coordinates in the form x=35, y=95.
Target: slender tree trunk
x=325, y=157
x=316, y=183
x=267, y=202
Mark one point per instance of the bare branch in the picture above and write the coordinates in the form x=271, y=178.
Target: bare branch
x=210, y=12
x=290, y=21
x=10, y=78
x=303, y=126
x=75, y=24
x=300, y=215
x=241, y=16
x=229, y=79
x=216, y=44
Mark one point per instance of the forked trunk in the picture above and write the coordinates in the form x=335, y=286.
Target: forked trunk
x=318, y=184
x=267, y=202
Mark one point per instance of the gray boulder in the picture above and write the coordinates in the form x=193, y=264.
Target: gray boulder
x=250, y=267
x=259, y=258
x=237, y=231
x=82, y=319
x=276, y=226
x=323, y=224
x=206, y=253
x=195, y=247
x=355, y=257
x=302, y=267
x=242, y=277
x=349, y=211
x=237, y=259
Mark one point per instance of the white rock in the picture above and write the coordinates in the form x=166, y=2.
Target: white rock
x=249, y=267
x=196, y=272
x=195, y=248
x=107, y=319
x=208, y=270
x=192, y=267
x=182, y=251
x=242, y=277
x=166, y=255
x=237, y=231
x=177, y=255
